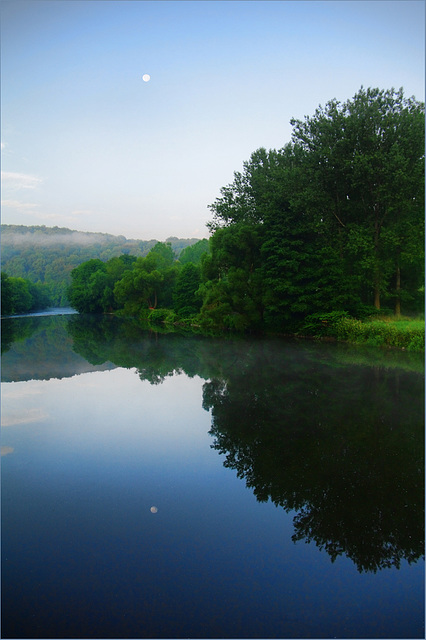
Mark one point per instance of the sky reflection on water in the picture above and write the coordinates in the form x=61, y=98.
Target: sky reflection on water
x=91, y=455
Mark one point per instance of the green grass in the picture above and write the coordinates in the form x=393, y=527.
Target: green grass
x=402, y=333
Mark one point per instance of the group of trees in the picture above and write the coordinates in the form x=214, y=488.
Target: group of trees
x=19, y=295
x=333, y=221
x=47, y=255
x=158, y=280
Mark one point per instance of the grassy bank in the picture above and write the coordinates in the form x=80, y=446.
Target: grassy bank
x=380, y=331
x=384, y=332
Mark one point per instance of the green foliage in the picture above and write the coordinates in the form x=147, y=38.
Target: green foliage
x=6, y=295
x=194, y=252
x=232, y=280
x=150, y=283
x=161, y=316
x=88, y=284
x=185, y=300
x=323, y=324
x=410, y=336
x=20, y=295
x=339, y=211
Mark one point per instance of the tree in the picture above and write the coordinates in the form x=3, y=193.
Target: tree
x=150, y=283
x=365, y=159
x=88, y=283
x=185, y=300
x=340, y=208
x=231, y=277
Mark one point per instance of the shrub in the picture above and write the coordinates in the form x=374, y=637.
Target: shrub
x=323, y=324
x=378, y=333
x=161, y=316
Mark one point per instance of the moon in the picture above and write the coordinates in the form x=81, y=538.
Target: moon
x=146, y=77
x=153, y=509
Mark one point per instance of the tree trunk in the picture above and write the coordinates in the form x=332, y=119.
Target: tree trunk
x=376, y=296
x=398, y=292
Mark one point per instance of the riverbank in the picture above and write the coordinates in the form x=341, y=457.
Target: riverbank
x=403, y=333
x=407, y=334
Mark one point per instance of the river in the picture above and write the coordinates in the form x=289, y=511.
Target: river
x=170, y=485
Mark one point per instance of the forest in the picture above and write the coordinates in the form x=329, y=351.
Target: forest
x=326, y=230
x=45, y=256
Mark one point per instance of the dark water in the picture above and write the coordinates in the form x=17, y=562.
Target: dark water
x=177, y=486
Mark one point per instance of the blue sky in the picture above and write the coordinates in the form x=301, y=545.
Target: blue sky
x=87, y=144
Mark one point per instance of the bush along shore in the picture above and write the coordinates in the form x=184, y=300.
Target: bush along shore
x=380, y=330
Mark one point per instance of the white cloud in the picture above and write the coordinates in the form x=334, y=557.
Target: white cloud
x=17, y=181
x=24, y=207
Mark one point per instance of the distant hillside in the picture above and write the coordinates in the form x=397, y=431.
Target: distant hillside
x=47, y=255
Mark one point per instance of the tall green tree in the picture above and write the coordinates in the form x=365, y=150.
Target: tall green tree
x=365, y=158
x=341, y=209
x=232, y=287
x=87, y=287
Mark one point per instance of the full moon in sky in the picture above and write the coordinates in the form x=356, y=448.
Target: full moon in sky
x=153, y=509
x=146, y=77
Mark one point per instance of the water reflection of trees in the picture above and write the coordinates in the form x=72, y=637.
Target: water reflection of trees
x=39, y=348
x=154, y=355
x=342, y=446
x=16, y=330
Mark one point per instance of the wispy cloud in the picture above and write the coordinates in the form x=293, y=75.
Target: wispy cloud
x=17, y=205
x=15, y=181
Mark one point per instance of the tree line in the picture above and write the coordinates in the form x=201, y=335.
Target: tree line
x=331, y=223
x=47, y=255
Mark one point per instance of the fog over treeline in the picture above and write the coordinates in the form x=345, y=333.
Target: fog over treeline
x=76, y=237
x=48, y=236
x=47, y=255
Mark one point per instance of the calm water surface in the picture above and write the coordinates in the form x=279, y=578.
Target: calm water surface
x=172, y=486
